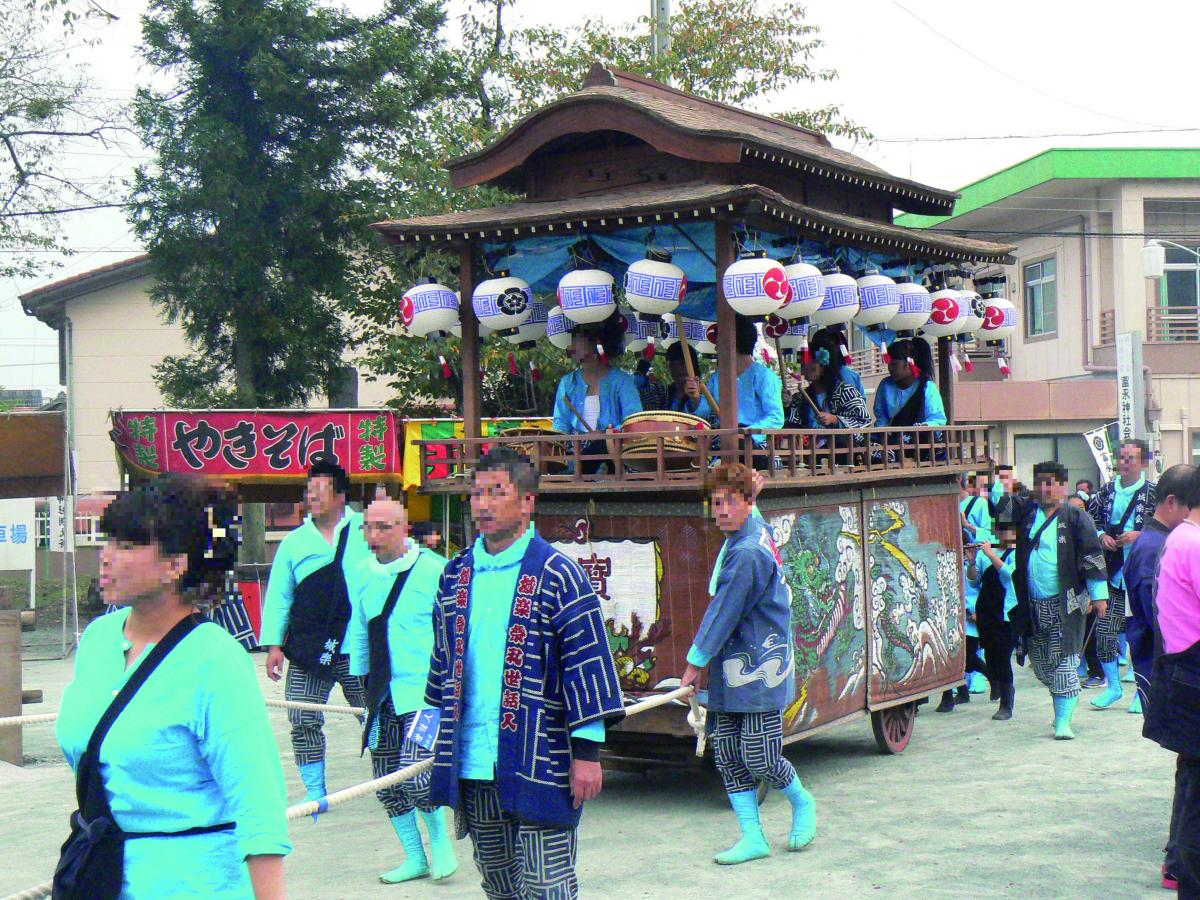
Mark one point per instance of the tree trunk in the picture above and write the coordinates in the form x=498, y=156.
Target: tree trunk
x=254, y=515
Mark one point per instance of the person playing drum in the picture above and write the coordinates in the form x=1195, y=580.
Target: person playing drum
x=760, y=392
x=840, y=402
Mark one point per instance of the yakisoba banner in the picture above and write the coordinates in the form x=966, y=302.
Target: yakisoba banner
x=257, y=445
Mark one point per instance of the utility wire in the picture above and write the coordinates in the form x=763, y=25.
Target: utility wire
x=1030, y=137
x=1033, y=87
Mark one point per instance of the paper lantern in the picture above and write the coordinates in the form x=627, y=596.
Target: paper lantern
x=638, y=332
x=974, y=312
x=840, y=302
x=945, y=314
x=878, y=300
x=533, y=328
x=655, y=286
x=808, y=290
x=502, y=303
x=429, y=308
x=795, y=339
x=775, y=327
x=756, y=285
x=702, y=336
x=558, y=329
x=586, y=296
x=915, y=306
x=1000, y=323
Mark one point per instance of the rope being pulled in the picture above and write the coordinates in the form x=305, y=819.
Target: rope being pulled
x=316, y=807
x=46, y=718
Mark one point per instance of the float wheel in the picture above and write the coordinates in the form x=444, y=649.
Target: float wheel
x=893, y=727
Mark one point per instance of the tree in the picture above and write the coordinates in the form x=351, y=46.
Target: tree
x=47, y=107
x=255, y=208
x=716, y=52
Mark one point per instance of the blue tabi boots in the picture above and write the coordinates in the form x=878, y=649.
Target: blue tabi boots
x=804, y=815
x=313, y=776
x=441, y=844
x=753, y=843
x=1114, y=691
x=415, y=864
x=1064, y=708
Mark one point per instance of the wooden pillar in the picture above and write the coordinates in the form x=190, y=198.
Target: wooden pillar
x=946, y=376
x=472, y=381
x=10, y=684
x=727, y=368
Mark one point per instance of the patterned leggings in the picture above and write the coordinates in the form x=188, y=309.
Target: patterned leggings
x=1110, y=627
x=1056, y=670
x=391, y=753
x=517, y=861
x=748, y=748
x=308, y=736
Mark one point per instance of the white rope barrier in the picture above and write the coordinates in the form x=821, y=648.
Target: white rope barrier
x=315, y=807
x=46, y=718
x=16, y=721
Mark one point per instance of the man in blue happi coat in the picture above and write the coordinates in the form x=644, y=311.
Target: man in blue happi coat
x=746, y=637
x=523, y=676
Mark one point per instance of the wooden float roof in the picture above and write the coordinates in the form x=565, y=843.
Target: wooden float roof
x=689, y=127
x=690, y=202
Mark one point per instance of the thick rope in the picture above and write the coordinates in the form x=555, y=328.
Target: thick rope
x=16, y=721
x=316, y=807
x=46, y=718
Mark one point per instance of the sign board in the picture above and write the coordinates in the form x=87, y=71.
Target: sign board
x=1100, y=442
x=1131, y=387
x=16, y=535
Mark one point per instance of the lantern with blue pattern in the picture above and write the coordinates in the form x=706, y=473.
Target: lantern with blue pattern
x=532, y=328
x=503, y=303
x=808, y=290
x=839, y=305
x=756, y=285
x=878, y=300
x=586, y=296
x=558, y=329
x=429, y=309
x=655, y=286
x=915, y=307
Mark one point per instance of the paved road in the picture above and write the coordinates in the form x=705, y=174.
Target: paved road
x=973, y=808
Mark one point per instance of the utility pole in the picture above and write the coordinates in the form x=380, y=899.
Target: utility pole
x=660, y=28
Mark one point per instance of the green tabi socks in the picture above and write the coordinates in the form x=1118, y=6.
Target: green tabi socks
x=1113, y=692
x=1064, y=708
x=441, y=844
x=313, y=776
x=415, y=865
x=1136, y=706
x=804, y=815
x=753, y=844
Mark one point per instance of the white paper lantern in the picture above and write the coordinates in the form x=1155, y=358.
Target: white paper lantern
x=756, y=286
x=558, y=329
x=974, y=312
x=878, y=300
x=915, y=306
x=638, y=332
x=808, y=290
x=839, y=305
x=945, y=314
x=429, y=308
x=586, y=296
x=1000, y=323
x=655, y=287
x=702, y=336
x=503, y=302
x=795, y=339
x=533, y=328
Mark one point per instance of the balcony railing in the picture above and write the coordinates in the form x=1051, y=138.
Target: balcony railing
x=1108, y=327
x=1171, y=324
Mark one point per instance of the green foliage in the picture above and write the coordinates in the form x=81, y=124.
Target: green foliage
x=717, y=51
x=255, y=210
x=45, y=106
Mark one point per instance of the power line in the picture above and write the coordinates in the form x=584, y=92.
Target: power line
x=1029, y=137
x=1013, y=78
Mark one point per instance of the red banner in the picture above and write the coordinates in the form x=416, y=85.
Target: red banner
x=258, y=445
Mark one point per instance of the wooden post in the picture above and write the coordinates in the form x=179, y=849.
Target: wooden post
x=727, y=364
x=472, y=381
x=946, y=377
x=10, y=684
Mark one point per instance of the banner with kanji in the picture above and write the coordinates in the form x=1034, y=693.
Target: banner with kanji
x=257, y=445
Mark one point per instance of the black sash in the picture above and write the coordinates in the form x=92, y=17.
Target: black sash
x=912, y=411
x=1114, y=560
x=91, y=865
x=989, y=606
x=320, y=614
x=1024, y=618
x=968, y=535
x=380, y=672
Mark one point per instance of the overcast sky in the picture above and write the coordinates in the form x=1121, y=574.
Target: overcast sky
x=1050, y=72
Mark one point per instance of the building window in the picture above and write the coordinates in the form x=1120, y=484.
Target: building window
x=1069, y=449
x=1196, y=448
x=1041, y=299
x=1180, y=284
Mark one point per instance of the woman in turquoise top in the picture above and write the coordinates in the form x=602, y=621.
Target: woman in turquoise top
x=194, y=747
x=908, y=396
x=603, y=395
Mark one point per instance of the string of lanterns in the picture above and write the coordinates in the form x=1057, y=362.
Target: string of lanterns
x=790, y=299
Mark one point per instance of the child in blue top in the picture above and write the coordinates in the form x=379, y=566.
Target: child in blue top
x=603, y=395
x=746, y=635
x=908, y=396
x=194, y=748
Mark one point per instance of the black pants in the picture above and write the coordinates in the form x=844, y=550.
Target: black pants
x=1091, y=649
x=973, y=662
x=996, y=638
x=1187, y=828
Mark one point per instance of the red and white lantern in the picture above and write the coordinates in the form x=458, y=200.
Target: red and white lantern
x=1000, y=321
x=945, y=314
x=429, y=309
x=756, y=286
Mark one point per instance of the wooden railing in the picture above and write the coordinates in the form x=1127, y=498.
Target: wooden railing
x=1108, y=327
x=1171, y=324
x=653, y=461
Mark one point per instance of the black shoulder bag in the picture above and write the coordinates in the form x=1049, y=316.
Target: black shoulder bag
x=91, y=865
x=1114, y=560
x=1024, y=618
x=379, y=679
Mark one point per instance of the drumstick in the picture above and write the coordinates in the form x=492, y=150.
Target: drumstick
x=691, y=370
x=575, y=411
x=779, y=359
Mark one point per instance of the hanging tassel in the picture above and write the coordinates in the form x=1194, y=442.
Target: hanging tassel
x=534, y=372
x=600, y=353
x=970, y=366
x=887, y=357
x=767, y=356
x=916, y=370
x=1005, y=370
x=954, y=363
x=446, y=373
x=512, y=362
x=805, y=354
x=649, y=351
x=846, y=357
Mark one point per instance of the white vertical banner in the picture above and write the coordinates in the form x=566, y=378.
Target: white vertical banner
x=1131, y=388
x=1097, y=441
